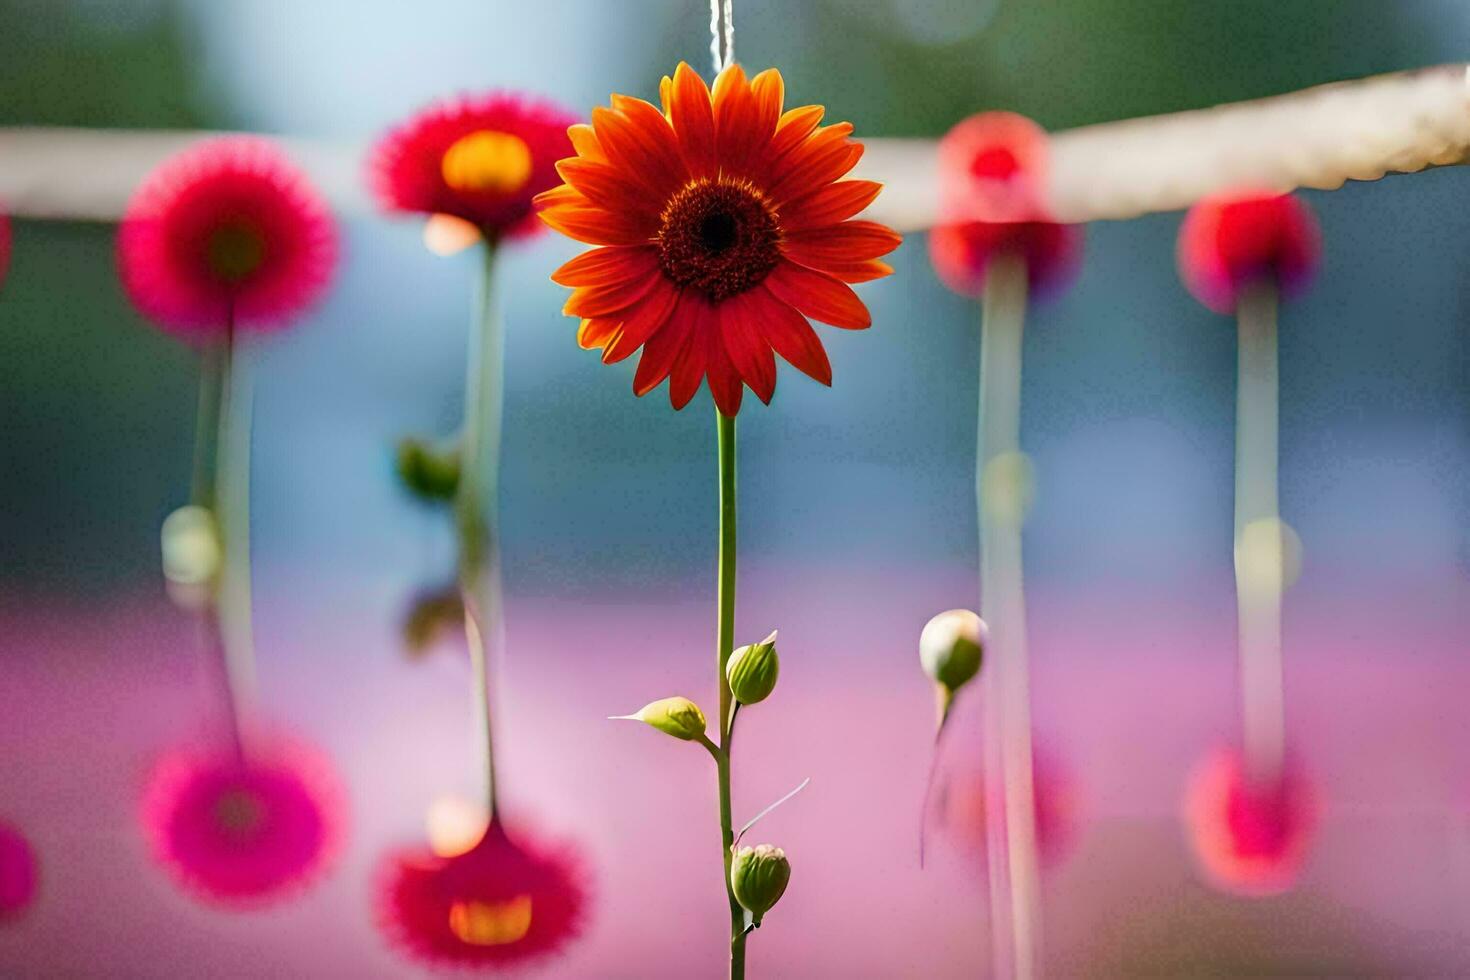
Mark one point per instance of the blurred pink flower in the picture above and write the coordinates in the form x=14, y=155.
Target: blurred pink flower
x=242, y=833
x=1248, y=839
x=501, y=903
x=228, y=228
x=17, y=872
x=1055, y=795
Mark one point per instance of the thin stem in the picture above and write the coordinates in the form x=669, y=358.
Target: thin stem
x=232, y=490
x=476, y=506
x=724, y=645
x=1000, y=476
x=212, y=361
x=1258, y=557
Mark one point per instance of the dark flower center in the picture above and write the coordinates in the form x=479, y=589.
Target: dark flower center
x=234, y=251
x=239, y=813
x=718, y=236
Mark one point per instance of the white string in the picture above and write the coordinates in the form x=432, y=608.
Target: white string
x=722, y=33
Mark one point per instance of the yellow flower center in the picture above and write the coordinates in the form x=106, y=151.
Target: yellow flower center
x=488, y=162
x=491, y=923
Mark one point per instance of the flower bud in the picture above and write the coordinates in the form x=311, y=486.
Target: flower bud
x=752, y=670
x=758, y=877
x=952, y=646
x=679, y=717
x=428, y=473
x=432, y=616
x=191, y=547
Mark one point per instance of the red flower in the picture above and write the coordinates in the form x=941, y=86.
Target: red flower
x=227, y=229
x=500, y=903
x=723, y=225
x=993, y=170
x=1249, y=839
x=4, y=246
x=479, y=159
x=17, y=872
x=1231, y=240
x=242, y=833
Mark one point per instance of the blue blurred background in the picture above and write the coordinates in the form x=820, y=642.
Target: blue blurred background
x=857, y=503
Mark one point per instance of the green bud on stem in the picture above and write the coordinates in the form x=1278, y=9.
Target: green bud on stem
x=679, y=717
x=758, y=877
x=752, y=670
x=428, y=473
x=951, y=649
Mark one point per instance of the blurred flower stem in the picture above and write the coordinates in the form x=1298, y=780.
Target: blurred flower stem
x=232, y=494
x=476, y=501
x=1258, y=577
x=1001, y=494
x=724, y=646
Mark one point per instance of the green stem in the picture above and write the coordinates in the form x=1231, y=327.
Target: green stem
x=1258, y=573
x=232, y=491
x=724, y=645
x=476, y=503
x=1001, y=493
x=213, y=360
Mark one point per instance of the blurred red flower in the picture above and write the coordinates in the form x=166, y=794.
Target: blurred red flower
x=1250, y=839
x=992, y=178
x=993, y=168
x=243, y=832
x=1054, y=795
x=723, y=225
x=501, y=903
x=227, y=230
x=962, y=253
x=17, y=872
x=1234, y=239
x=480, y=159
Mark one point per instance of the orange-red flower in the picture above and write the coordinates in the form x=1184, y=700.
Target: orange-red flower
x=722, y=224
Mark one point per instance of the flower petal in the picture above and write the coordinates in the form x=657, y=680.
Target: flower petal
x=596, y=332
x=748, y=350
x=584, y=141
x=790, y=335
x=830, y=205
x=819, y=296
x=636, y=151
x=612, y=297
x=724, y=381
x=688, y=369
x=655, y=128
x=642, y=321
x=693, y=117
x=792, y=129
x=609, y=187
x=596, y=226
x=852, y=272
x=822, y=159
x=600, y=266
x=838, y=245
x=664, y=346
x=742, y=129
